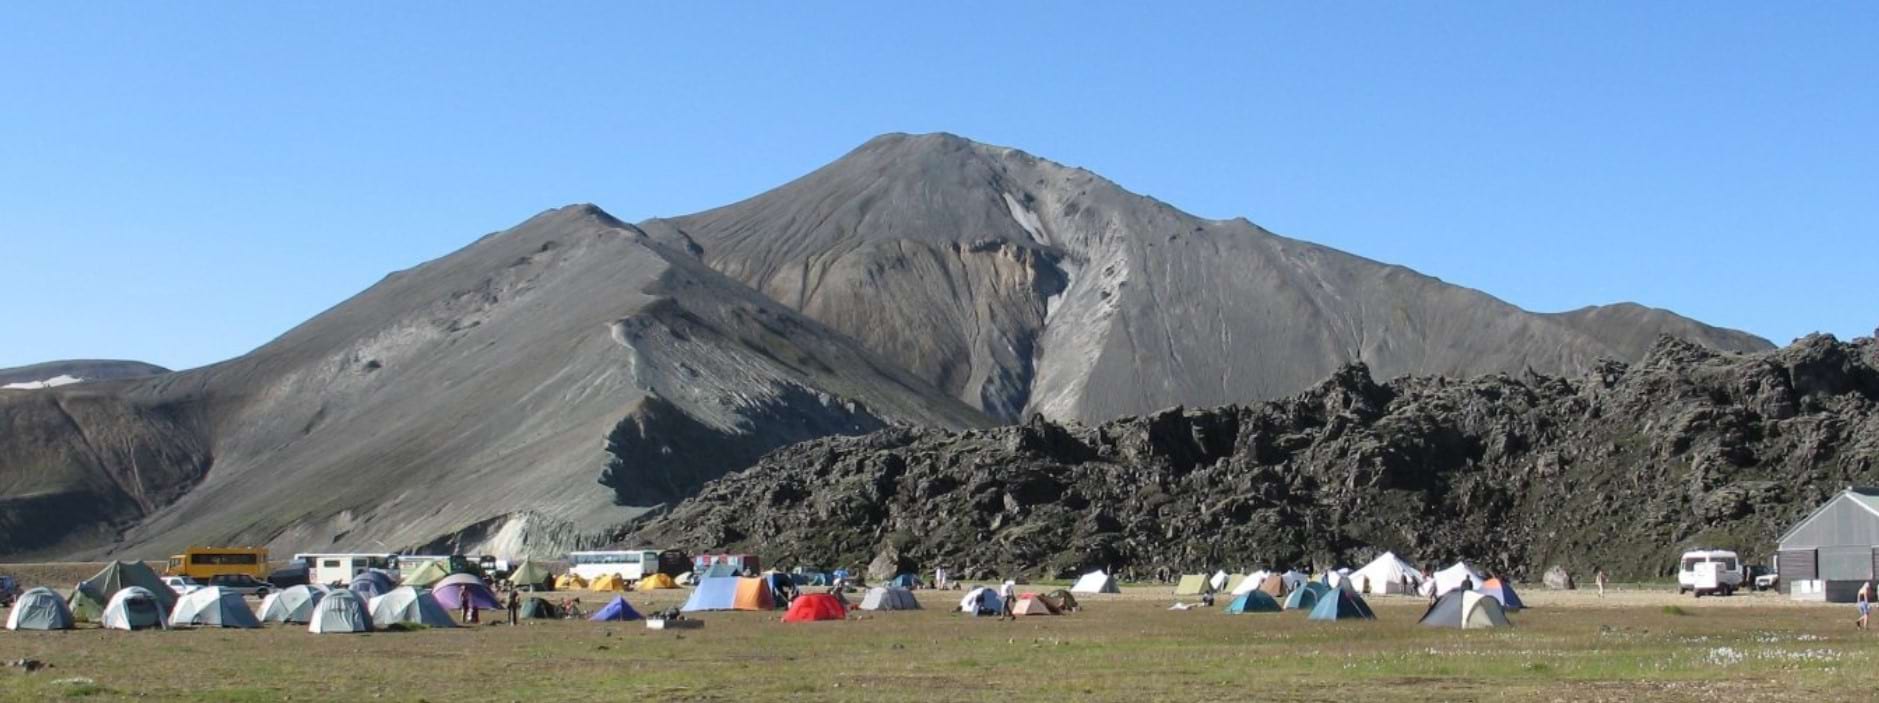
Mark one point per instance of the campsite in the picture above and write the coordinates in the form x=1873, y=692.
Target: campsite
x=1639, y=642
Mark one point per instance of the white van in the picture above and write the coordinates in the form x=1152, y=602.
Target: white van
x=338, y=569
x=1709, y=572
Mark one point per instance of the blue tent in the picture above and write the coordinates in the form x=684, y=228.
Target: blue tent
x=810, y=578
x=909, y=581
x=616, y=610
x=1341, y=604
x=719, y=570
x=1254, y=601
x=1306, y=597
x=371, y=583
x=1503, y=591
x=713, y=594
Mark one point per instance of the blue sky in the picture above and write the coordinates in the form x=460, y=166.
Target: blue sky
x=180, y=183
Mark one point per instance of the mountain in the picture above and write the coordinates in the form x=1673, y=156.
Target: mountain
x=525, y=393
x=1022, y=286
x=1620, y=468
x=545, y=386
x=57, y=373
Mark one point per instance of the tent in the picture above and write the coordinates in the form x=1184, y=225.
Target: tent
x=341, y=611
x=888, y=599
x=571, y=582
x=1503, y=591
x=656, y=582
x=815, y=606
x=1031, y=604
x=86, y=604
x=1233, y=584
x=122, y=574
x=134, y=608
x=718, y=570
x=1387, y=574
x=295, y=604
x=531, y=575
x=1341, y=604
x=754, y=594
x=1064, y=600
x=540, y=609
x=1191, y=585
x=455, y=589
x=1458, y=576
x=809, y=577
x=608, y=582
x=1096, y=582
x=712, y=594
x=1272, y=585
x=428, y=573
x=616, y=610
x=39, y=609
x=1465, y=610
x=1335, y=577
x=981, y=601
x=411, y=606
x=1306, y=597
x=1254, y=601
x=1218, y=581
x=213, y=606
x=371, y=583
x=1293, y=579
x=1251, y=582
x=908, y=581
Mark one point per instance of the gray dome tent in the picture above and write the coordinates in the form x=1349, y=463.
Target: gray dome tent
x=39, y=609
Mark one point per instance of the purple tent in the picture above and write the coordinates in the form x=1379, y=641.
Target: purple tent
x=453, y=589
x=371, y=584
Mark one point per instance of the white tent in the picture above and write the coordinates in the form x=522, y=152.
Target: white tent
x=134, y=608
x=39, y=609
x=213, y=606
x=340, y=611
x=411, y=606
x=1095, y=582
x=1219, y=580
x=294, y=604
x=889, y=599
x=1251, y=582
x=1335, y=577
x=1457, y=576
x=1294, y=580
x=981, y=599
x=1386, y=574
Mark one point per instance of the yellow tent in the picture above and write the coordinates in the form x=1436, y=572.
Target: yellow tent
x=570, y=582
x=656, y=582
x=607, y=582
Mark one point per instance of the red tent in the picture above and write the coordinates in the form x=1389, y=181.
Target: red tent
x=815, y=606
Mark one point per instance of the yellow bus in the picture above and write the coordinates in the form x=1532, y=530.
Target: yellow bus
x=203, y=563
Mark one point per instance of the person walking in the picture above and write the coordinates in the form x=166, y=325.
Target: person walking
x=1865, y=605
x=1008, y=593
x=1600, y=579
x=514, y=604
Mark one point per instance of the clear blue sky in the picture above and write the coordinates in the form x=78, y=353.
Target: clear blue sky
x=180, y=183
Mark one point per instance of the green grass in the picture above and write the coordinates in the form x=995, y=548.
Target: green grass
x=1121, y=648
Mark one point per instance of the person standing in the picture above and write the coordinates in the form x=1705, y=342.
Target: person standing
x=1865, y=605
x=1600, y=579
x=514, y=604
x=1008, y=593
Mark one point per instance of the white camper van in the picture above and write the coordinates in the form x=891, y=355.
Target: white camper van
x=1709, y=572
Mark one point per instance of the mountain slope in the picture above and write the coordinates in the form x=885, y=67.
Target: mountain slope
x=480, y=400
x=1023, y=286
x=75, y=370
x=1621, y=468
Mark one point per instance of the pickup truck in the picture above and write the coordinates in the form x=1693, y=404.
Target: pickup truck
x=181, y=585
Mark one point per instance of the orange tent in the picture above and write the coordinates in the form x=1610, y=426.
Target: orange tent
x=753, y=594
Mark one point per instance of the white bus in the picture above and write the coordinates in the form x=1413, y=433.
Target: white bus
x=338, y=569
x=632, y=564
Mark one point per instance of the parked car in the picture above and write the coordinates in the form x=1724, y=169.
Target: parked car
x=182, y=585
x=242, y=583
x=1763, y=578
x=294, y=574
x=1709, y=572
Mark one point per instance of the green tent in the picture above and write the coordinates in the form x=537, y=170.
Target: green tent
x=429, y=573
x=86, y=604
x=537, y=608
x=530, y=574
x=118, y=575
x=1191, y=585
x=1254, y=601
x=1233, y=583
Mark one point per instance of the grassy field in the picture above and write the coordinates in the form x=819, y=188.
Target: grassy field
x=1571, y=646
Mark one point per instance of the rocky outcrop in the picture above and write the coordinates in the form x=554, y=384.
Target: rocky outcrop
x=1558, y=579
x=1620, y=468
